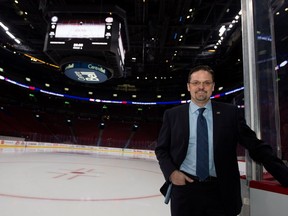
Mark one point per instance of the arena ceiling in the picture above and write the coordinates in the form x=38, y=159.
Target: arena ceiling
x=165, y=38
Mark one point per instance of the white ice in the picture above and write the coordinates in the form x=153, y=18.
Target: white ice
x=76, y=184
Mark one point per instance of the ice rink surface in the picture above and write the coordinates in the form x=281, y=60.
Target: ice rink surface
x=79, y=184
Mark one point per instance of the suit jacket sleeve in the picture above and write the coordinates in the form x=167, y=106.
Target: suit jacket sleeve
x=262, y=152
x=173, y=139
x=162, y=150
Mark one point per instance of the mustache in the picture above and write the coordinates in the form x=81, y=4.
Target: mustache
x=201, y=91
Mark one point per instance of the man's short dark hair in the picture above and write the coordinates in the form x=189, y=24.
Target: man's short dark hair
x=201, y=67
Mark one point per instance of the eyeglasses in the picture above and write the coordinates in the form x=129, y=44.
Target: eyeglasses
x=198, y=83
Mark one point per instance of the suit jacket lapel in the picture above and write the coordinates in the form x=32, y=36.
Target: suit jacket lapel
x=185, y=121
x=216, y=110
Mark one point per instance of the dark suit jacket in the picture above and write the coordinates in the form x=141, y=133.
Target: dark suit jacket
x=229, y=129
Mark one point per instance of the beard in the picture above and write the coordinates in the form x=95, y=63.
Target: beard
x=201, y=95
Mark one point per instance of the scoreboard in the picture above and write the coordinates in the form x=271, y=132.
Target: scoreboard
x=79, y=40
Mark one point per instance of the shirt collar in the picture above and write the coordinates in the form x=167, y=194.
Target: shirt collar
x=194, y=107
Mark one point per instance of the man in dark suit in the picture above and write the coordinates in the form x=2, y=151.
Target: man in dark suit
x=218, y=193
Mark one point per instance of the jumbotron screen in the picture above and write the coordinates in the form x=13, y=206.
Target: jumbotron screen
x=80, y=34
x=92, y=36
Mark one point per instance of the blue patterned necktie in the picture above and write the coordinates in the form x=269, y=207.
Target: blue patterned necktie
x=202, y=166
